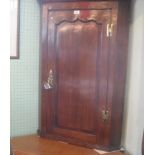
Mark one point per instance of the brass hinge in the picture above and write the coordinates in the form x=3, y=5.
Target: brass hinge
x=105, y=115
x=109, y=30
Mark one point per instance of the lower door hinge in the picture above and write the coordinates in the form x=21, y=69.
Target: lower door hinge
x=105, y=115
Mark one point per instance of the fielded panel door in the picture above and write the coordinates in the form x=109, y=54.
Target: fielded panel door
x=75, y=62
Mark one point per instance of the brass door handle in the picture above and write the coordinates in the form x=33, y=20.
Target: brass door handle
x=49, y=84
x=105, y=115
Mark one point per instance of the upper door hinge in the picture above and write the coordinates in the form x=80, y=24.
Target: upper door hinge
x=109, y=30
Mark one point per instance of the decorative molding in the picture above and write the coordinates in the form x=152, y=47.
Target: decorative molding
x=78, y=19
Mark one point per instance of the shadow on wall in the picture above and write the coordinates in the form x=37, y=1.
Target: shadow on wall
x=133, y=124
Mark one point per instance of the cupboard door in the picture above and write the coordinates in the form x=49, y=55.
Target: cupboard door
x=75, y=72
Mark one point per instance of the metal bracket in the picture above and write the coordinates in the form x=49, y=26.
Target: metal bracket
x=109, y=30
x=105, y=115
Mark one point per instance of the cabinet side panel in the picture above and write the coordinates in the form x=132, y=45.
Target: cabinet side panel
x=120, y=72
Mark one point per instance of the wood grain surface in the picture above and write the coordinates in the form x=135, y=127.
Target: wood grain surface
x=34, y=145
x=75, y=46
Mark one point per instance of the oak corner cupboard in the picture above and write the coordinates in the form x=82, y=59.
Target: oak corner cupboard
x=83, y=68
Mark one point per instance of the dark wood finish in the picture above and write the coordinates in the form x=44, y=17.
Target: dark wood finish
x=74, y=106
x=34, y=145
x=18, y=33
x=89, y=72
x=48, y=1
x=119, y=72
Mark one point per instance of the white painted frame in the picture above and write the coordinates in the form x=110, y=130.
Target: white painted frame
x=14, y=29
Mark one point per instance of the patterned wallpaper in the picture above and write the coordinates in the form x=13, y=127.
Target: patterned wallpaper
x=25, y=72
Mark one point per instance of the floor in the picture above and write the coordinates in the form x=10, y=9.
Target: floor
x=34, y=145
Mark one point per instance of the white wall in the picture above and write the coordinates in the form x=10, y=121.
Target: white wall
x=24, y=73
x=134, y=107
